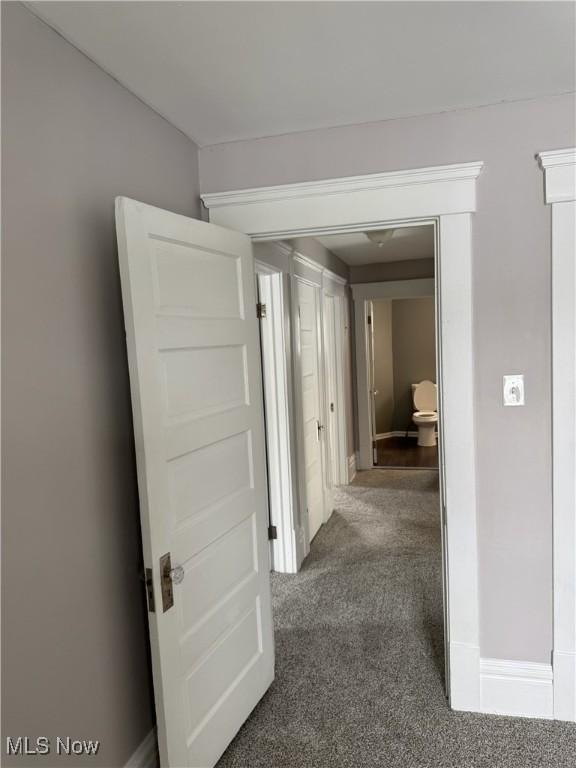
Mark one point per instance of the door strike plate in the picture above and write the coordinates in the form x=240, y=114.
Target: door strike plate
x=166, y=582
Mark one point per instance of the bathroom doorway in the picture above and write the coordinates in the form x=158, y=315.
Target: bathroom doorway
x=401, y=337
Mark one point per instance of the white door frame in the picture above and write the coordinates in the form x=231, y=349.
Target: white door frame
x=560, y=193
x=446, y=194
x=363, y=293
x=276, y=356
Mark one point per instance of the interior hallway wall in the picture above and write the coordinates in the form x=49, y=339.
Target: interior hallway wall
x=414, y=269
x=75, y=637
x=414, y=353
x=313, y=249
x=512, y=309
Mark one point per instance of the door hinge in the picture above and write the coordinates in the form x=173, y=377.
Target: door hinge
x=260, y=310
x=272, y=532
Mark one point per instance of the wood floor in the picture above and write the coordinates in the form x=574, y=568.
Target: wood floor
x=405, y=452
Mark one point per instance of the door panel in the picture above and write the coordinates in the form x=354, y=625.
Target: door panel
x=332, y=400
x=192, y=340
x=308, y=309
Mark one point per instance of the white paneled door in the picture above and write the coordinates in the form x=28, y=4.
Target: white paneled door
x=308, y=322
x=192, y=338
x=332, y=399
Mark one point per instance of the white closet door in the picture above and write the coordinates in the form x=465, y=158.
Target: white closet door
x=332, y=399
x=308, y=329
x=192, y=338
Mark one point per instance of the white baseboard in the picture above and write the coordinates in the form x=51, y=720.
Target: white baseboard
x=518, y=688
x=351, y=467
x=398, y=433
x=146, y=755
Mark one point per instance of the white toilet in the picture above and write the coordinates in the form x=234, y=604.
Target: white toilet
x=425, y=399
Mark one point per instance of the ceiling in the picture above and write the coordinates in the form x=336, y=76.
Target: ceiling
x=403, y=244
x=224, y=71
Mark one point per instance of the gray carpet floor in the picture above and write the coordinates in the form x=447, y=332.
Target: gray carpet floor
x=359, y=652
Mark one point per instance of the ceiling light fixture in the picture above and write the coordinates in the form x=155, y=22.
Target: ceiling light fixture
x=380, y=236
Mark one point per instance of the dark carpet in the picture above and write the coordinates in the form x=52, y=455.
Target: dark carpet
x=359, y=652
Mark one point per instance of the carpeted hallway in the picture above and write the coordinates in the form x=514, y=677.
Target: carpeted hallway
x=359, y=652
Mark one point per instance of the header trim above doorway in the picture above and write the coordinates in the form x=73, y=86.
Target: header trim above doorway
x=559, y=175
x=358, y=202
x=365, y=183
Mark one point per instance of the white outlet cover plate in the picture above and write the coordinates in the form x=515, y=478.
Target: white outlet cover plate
x=514, y=389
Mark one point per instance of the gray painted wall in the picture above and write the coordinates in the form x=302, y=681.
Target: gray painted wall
x=415, y=269
x=512, y=306
x=75, y=640
x=383, y=365
x=414, y=353
x=313, y=249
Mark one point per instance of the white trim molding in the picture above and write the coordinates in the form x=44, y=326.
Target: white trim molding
x=398, y=433
x=290, y=210
x=445, y=195
x=517, y=688
x=146, y=754
x=559, y=168
x=343, y=185
x=275, y=338
x=386, y=435
x=560, y=192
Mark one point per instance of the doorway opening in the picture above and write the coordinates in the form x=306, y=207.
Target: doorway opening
x=363, y=531
x=403, y=388
x=313, y=304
